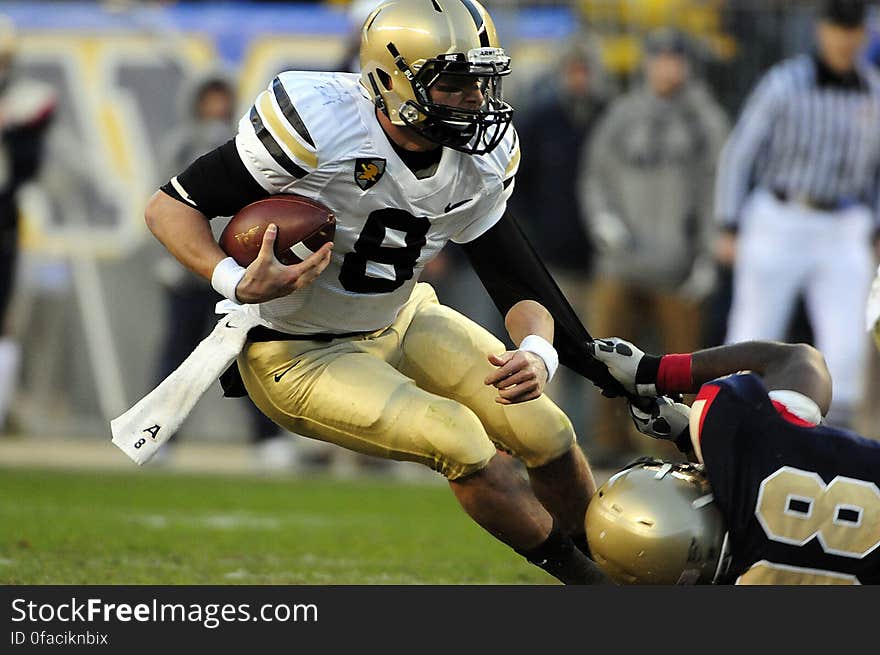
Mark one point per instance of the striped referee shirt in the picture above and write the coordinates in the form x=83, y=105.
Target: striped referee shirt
x=805, y=133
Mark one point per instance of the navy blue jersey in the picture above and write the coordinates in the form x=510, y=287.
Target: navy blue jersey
x=801, y=502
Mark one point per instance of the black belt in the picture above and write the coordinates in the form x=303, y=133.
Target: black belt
x=262, y=333
x=813, y=203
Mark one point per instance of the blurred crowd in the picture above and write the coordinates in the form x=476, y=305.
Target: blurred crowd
x=616, y=190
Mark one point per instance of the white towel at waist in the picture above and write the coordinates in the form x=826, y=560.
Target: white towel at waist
x=141, y=430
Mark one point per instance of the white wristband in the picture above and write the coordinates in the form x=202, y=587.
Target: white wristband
x=226, y=276
x=543, y=349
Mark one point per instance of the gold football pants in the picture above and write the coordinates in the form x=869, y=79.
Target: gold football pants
x=413, y=391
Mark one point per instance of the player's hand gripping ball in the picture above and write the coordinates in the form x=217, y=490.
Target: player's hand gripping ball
x=304, y=225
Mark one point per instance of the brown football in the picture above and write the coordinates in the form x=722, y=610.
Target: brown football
x=304, y=225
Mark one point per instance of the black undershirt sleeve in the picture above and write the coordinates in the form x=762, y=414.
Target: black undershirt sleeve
x=511, y=271
x=218, y=183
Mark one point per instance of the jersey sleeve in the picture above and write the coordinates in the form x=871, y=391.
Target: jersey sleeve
x=502, y=164
x=282, y=146
x=216, y=184
x=273, y=141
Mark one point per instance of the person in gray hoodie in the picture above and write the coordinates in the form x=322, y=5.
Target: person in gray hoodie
x=553, y=131
x=647, y=190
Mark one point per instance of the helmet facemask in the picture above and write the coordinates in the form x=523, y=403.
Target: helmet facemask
x=473, y=131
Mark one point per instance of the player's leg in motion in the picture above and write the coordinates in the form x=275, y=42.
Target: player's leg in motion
x=349, y=393
x=446, y=354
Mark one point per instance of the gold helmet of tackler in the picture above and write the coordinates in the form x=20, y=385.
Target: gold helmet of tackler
x=656, y=522
x=406, y=45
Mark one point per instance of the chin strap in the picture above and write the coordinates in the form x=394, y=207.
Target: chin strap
x=380, y=103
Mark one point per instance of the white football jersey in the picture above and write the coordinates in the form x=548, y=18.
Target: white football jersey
x=316, y=134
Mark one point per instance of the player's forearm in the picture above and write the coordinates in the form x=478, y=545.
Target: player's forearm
x=528, y=317
x=795, y=367
x=790, y=367
x=756, y=356
x=512, y=272
x=185, y=232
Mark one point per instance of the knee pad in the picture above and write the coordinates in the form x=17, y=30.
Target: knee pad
x=458, y=440
x=448, y=350
x=550, y=440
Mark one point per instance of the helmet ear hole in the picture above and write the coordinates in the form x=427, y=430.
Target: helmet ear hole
x=385, y=79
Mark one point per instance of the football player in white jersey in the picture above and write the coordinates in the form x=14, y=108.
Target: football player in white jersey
x=415, y=151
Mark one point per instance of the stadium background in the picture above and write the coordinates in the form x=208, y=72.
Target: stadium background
x=88, y=309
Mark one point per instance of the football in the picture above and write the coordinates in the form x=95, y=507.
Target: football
x=304, y=225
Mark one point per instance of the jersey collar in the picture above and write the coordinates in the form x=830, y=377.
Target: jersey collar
x=414, y=187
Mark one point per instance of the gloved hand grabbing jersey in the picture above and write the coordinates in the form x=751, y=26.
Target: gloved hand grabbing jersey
x=629, y=365
x=655, y=414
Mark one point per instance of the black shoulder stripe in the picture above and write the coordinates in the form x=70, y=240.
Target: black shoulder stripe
x=484, y=37
x=478, y=21
x=272, y=146
x=475, y=13
x=290, y=112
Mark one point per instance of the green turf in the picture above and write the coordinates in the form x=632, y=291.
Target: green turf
x=163, y=528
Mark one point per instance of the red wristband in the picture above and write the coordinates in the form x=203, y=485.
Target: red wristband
x=674, y=375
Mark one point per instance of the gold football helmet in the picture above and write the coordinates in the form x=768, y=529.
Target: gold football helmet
x=655, y=522
x=407, y=45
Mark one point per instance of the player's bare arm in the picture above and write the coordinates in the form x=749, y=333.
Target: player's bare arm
x=782, y=366
x=794, y=367
x=522, y=374
x=185, y=232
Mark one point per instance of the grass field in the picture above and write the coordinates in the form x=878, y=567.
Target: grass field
x=164, y=528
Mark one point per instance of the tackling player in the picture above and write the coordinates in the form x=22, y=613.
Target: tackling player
x=799, y=499
x=414, y=151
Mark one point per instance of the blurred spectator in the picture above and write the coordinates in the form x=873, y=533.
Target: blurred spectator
x=208, y=106
x=648, y=196
x=357, y=13
x=26, y=110
x=553, y=131
x=797, y=196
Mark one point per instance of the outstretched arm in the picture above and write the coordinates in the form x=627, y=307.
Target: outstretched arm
x=794, y=367
x=511, y=271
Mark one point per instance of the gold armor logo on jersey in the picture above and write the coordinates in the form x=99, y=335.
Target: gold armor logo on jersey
x=368, y=171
